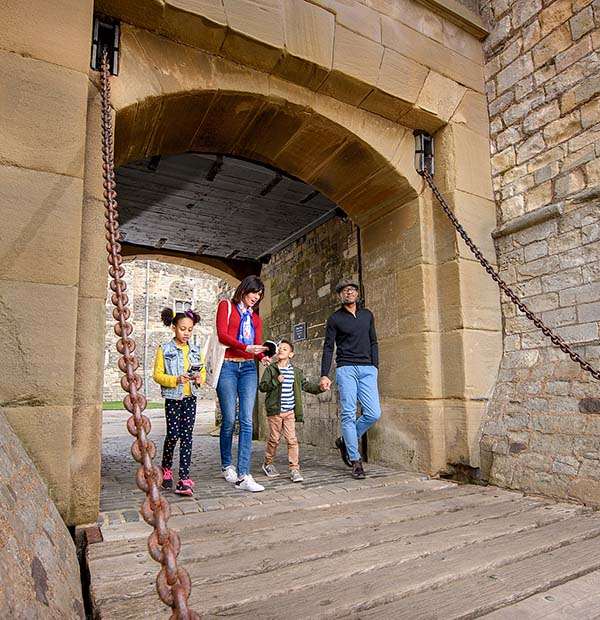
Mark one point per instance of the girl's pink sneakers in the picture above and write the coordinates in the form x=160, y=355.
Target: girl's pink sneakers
x=185, y=487
x=167, y=482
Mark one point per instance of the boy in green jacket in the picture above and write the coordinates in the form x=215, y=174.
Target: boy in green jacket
x=283, y=384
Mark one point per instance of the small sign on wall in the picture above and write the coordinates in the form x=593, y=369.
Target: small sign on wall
x=299, y=332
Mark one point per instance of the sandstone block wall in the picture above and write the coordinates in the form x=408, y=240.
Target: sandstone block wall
x=542, y=82
x=44, y=57
x=406, y=60
x=39, y=571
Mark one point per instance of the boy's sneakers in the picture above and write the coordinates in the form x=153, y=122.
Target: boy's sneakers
x=296, y=476
x=270, y=471
x=167, y=483
x=340, y=444
x=185, y=487
x=358, y=473
x=230, y=474
x=247, y=484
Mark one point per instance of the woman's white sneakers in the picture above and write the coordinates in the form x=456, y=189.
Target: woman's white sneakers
x=247, y=484
x=230, y=474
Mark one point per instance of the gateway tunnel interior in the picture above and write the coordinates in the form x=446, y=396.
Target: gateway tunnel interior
x=228, y=217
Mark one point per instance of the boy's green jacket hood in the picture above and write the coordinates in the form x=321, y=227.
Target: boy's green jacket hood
x=270, y=384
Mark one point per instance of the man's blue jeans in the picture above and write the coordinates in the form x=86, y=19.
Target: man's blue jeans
x=238, y=380
x=357, y=383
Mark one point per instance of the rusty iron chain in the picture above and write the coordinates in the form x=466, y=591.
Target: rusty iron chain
x=516, y=300
x=173, y=583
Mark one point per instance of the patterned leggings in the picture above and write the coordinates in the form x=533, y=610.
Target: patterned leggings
x=181, y=416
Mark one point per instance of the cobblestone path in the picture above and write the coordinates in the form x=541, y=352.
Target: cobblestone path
x=396, y=545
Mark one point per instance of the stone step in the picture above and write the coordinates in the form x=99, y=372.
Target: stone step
x=340, y=582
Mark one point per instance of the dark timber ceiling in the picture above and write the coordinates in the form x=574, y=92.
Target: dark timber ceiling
x=216, y=206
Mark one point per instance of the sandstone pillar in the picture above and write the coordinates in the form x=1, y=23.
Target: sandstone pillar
x=43, y=80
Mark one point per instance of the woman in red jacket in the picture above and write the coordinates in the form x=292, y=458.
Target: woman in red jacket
x=239, y=327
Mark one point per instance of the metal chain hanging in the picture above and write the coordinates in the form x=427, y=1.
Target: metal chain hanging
x=555, y=338
x=172, y=583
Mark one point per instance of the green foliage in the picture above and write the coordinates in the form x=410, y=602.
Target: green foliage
x=114, y=405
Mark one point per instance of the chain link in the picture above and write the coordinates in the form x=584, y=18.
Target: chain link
x=173, y=584
x=554, y=338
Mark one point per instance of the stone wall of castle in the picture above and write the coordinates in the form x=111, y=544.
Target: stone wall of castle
x=542, y=82
x=301, y=282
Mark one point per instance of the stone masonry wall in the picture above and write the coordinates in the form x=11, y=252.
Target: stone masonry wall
x=543, y=78
x=301, y=280
x=39, y=572
x=166, y=283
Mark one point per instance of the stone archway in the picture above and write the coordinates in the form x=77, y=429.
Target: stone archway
x=438, y=356
x=205, y=264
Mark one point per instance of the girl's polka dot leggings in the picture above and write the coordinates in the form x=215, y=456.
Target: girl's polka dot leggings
x=181, y=415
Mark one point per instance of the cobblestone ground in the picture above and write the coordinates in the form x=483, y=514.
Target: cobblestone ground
x=120, y=498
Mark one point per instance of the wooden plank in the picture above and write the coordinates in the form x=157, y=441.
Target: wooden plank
x=280, y=502
x=227, y=214
x=270, y=516
x=215, y=558
x=501, y=586
x=578, y=598
x=335, y=587
x=344, y=518
x=343, y=515
x=312, y=523
x=376, y=572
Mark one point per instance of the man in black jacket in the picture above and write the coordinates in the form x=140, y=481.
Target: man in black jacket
x=352, y=330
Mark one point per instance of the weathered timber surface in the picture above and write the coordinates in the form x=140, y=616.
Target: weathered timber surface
x=396, y=545
x=577, y=598
x=191, y=201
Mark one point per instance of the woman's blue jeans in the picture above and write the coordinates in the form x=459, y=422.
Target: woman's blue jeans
x=237, y=381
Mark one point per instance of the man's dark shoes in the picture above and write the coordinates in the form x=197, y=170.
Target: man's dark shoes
x=341, y=445
x=358, y=473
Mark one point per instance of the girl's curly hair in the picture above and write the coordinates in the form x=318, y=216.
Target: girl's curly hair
x=168, y=317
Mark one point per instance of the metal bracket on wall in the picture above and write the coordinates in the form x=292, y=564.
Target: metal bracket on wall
x=424, y=152
x=105, y=36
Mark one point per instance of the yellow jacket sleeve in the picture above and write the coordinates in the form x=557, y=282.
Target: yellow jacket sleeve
x=159, y=375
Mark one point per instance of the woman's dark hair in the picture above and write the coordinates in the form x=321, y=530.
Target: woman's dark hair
x=169, y=317
x=250, y=284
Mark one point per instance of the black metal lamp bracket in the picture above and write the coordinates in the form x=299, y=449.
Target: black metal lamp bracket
x=105, y=36
x=424, y=161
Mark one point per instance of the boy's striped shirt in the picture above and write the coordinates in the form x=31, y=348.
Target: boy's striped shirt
x=287, y=388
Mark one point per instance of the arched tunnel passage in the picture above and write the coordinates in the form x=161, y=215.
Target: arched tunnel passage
x=232, y=217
